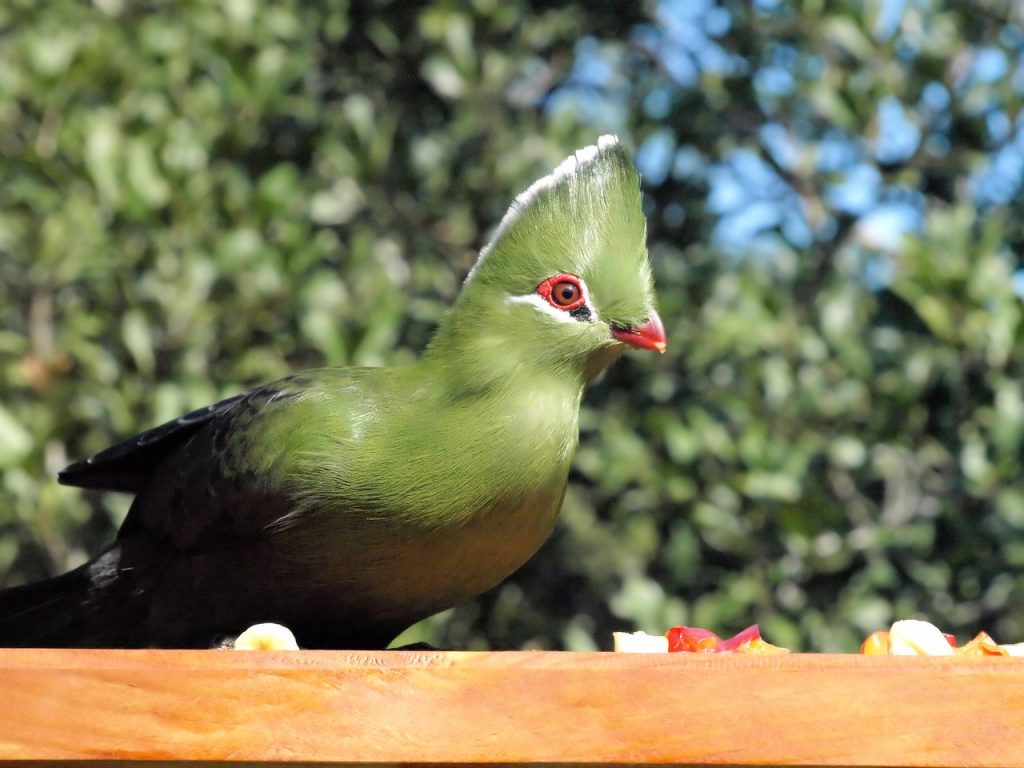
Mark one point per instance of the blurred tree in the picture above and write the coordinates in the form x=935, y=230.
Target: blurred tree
x=196, y=198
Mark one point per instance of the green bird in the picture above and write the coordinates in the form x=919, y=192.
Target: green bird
x=349, y=503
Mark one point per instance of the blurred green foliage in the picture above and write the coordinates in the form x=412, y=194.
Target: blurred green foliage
x=199, y=197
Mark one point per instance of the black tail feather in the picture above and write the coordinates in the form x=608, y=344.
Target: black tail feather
x=47, y=613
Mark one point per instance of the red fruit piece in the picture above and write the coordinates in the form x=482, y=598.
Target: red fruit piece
x=692, y=640
x=697, y=640
x=749, y=635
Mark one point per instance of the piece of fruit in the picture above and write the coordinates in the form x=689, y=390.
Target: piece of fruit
x=911, y=637
x=692, y=640
x=876, y=644
x=639, y=642
x=266, y=637
x=697, y=640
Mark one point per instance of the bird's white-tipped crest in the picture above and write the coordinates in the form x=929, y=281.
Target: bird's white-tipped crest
x=567, y=168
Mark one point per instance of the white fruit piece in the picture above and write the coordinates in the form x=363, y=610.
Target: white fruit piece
x=266, y=637
x=911, y=637
x=639, y=642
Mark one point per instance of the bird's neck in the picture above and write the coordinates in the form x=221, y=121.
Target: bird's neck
x=504, y=426
x=479, y=363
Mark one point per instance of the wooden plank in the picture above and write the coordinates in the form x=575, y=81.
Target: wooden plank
x=339, y=707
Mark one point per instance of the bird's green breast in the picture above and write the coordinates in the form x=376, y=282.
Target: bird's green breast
x=430, y=500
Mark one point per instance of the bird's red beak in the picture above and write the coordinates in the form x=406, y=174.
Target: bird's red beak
x=651, y=335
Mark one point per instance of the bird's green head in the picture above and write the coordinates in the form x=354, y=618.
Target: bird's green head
x=565, y=280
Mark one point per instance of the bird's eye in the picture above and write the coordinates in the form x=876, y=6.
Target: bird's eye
x=562, y=292
x=565, y=293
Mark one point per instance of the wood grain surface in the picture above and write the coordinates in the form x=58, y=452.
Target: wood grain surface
x=338, y=707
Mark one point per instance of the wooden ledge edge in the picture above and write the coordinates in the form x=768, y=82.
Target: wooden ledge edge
x=447, y=708
x=85, y=658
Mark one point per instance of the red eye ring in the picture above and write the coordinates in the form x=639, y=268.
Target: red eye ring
x=564, y=292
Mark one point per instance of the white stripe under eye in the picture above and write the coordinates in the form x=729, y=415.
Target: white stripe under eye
x=541, y=304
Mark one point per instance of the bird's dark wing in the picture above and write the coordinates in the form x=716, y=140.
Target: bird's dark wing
x=128, y=465
x=214, y=476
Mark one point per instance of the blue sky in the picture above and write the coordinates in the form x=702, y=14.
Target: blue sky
x=747, y=186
